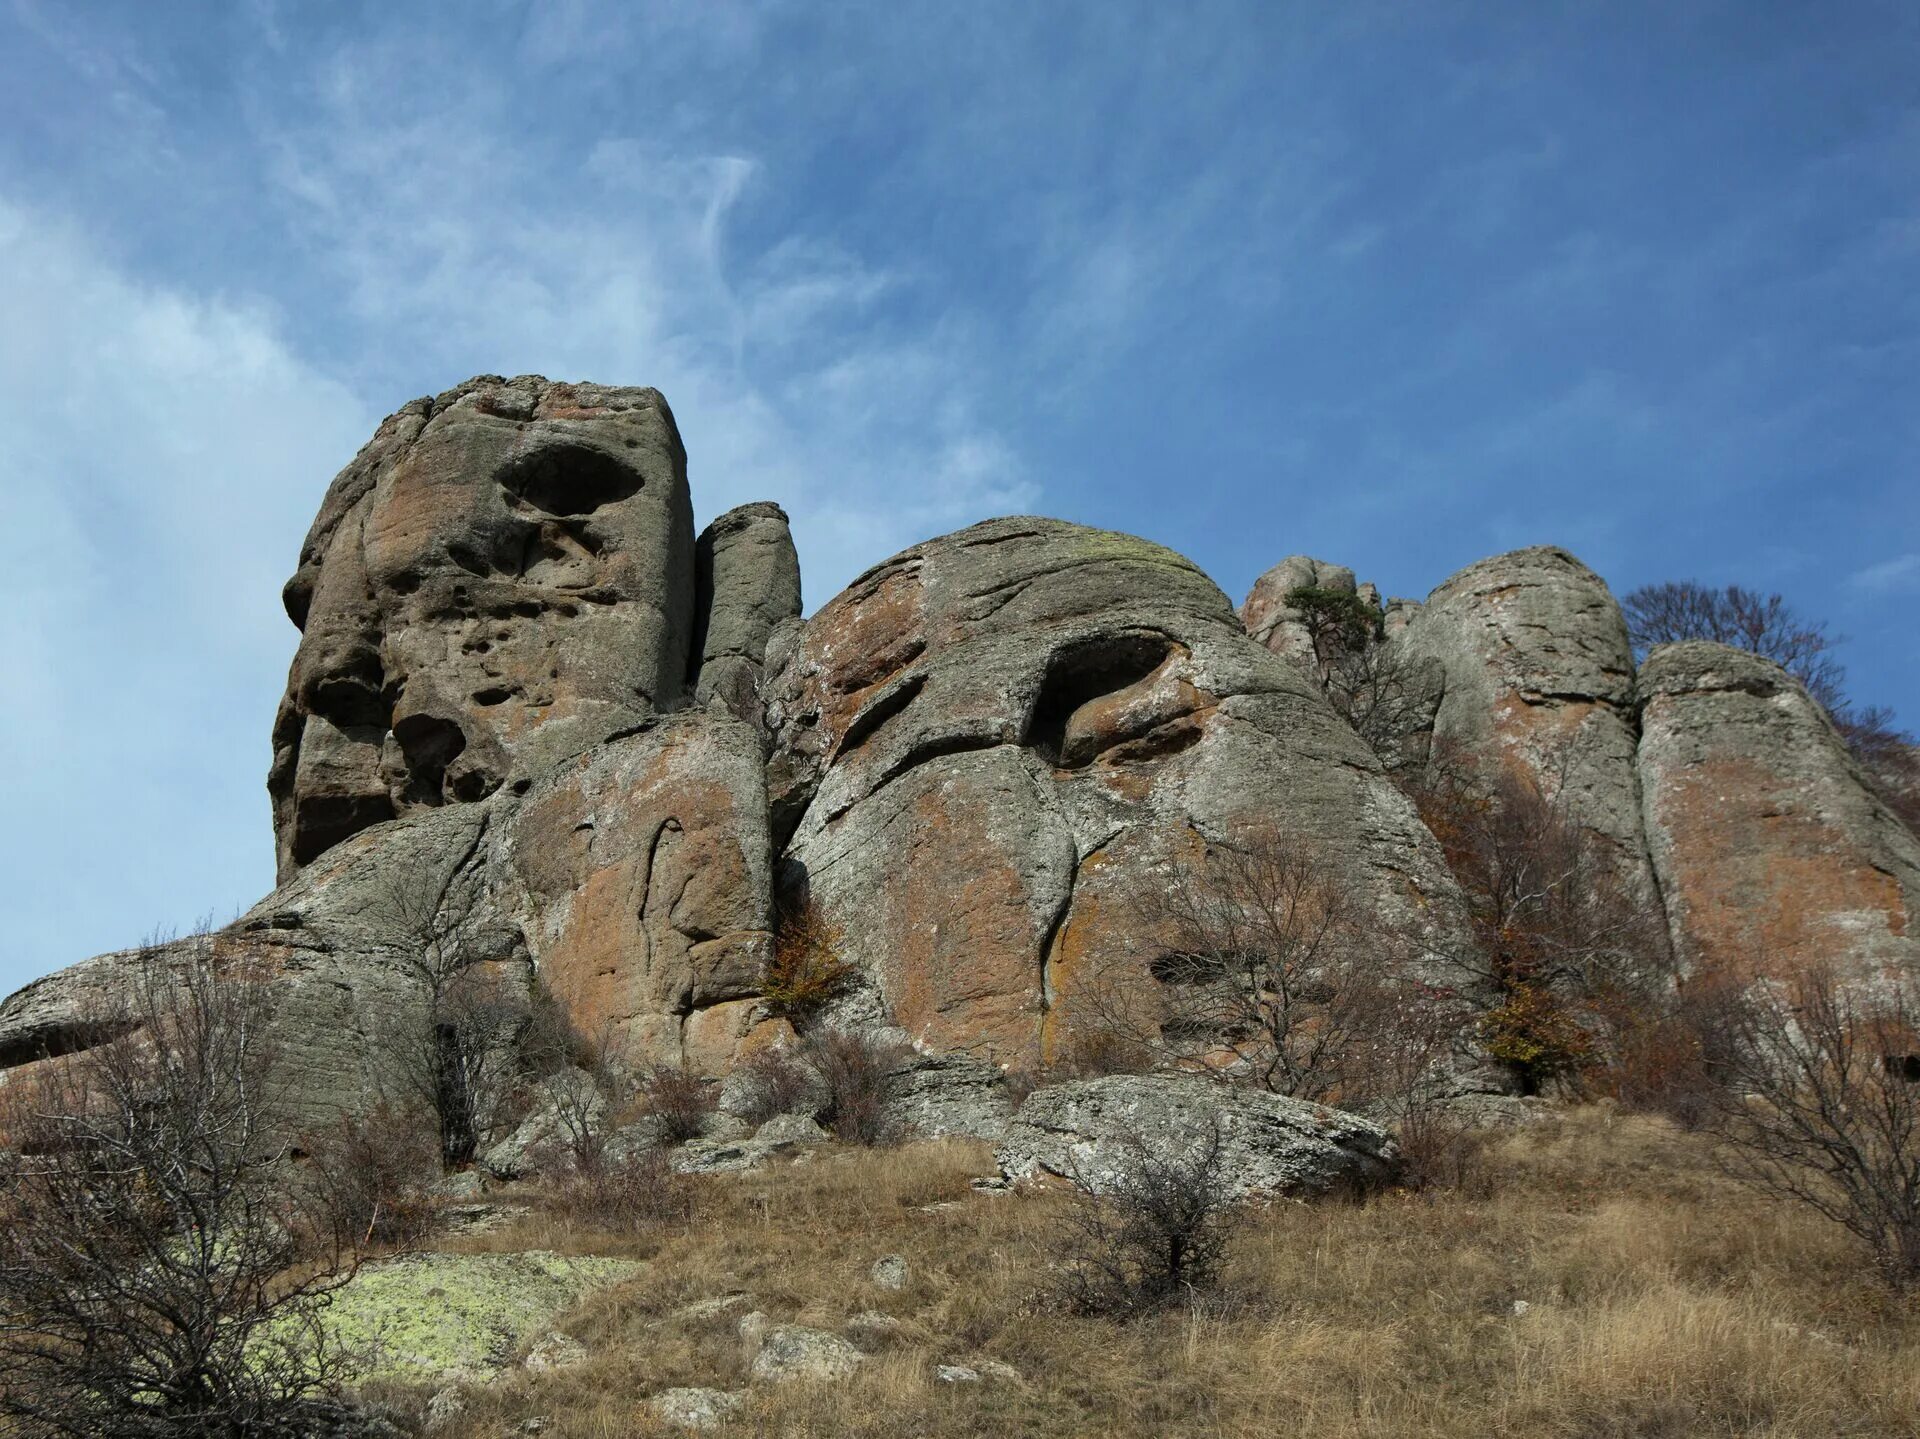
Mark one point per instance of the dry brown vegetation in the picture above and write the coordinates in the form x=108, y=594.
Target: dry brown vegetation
x=1661, y=1299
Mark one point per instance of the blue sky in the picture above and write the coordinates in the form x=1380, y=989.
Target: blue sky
x=1395, y=285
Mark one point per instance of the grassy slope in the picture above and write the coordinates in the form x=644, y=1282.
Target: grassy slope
x=1663, y=1301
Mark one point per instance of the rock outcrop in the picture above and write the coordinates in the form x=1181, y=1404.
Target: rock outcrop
x=503, y=577
x=747, y=579
x=533, y=721
x=1277, y=624
x=988, y=744
x=643, y=870
x=1537, y=681
x=1093, y=1131
x=1773, y=850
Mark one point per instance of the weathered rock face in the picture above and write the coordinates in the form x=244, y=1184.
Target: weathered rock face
x=635, y=879
x=1093, y=1130
x=645, y=867
x=332, y=947
x=501, y=578
x=1772, y=850
x=1275, y=623
x=747, y=579
x=987, y=745
x=1537, y=679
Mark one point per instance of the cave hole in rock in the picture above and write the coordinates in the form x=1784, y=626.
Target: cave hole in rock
x=351, y=693
x=429, y=744
x=569, y=479
x=1084, y=671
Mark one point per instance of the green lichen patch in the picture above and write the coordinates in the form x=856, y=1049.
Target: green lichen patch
x=447, y=1316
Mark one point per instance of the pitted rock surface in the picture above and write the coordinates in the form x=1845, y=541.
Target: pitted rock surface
x=1773, y=850
x=1538, y=680
x=501, y=578
x=986, y=745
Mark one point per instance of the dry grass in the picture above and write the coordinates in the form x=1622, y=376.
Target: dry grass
x=1662, y=1302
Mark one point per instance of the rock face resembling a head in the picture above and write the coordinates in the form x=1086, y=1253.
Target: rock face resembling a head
x=986, y=746
x=502, y=577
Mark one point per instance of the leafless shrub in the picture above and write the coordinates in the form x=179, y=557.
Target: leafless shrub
x=371, y=1176
x=1439, y=1152
x=624, y=1195
x=1152, y=1232
x=678, y=1099
x=857, y=1068
x=576, y=1081
x=1259, y=968
x=457, y=1051
x=1821, y=1105
x=1562, y=954
x=773, y=1081
x=156, y=1275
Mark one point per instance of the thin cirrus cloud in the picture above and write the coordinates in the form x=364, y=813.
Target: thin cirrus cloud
x=1897, y=575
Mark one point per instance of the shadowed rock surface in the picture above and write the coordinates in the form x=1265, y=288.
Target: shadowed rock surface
x=1772, y=849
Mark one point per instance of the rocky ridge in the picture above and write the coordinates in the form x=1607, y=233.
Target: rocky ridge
x=532, y=710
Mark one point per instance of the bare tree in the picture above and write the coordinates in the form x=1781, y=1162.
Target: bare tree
x=1560, y=947
x=1371, y=684
x=1152, y=1232
x=1767, y=625
x=155, y=1278
x=1257, y=966
x=456, y=1051
x=1746, y=619
x=1821, y=1105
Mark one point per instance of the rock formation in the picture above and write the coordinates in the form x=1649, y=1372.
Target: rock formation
x=532, y=718
x=1536, y=679
x=501, y=578
x=987, y=744
x=1773, y=850
x=748, y=588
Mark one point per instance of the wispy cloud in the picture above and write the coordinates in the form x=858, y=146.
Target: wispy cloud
x=469, y=248
x=1894, y=576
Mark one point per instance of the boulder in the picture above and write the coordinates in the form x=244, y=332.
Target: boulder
x=747, y=585
x=694, y=1408
x=1536, y=680
x=934, y=1096
x=793, y=1351
x=502, y=577
x=1090, y=1130
x=1772, y=847
x=987, y=744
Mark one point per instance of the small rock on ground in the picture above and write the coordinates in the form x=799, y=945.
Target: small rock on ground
x=889, y=1272
x=790, y=1351
x=694, y=1408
